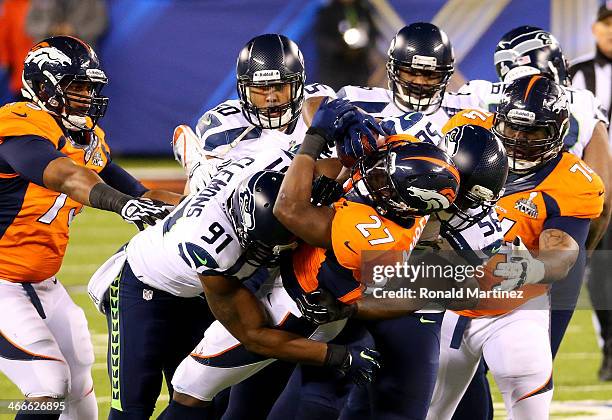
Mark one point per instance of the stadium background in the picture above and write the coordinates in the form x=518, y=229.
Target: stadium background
x=170, y=60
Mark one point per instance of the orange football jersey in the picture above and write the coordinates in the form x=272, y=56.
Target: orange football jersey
x=469, y=116
x=566, y=186
x=34, y=220
x=356, y=229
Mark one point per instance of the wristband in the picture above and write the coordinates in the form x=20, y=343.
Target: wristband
x=336, y=356
x=103, y=196
x=314, y=143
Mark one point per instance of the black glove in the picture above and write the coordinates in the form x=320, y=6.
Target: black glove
x=356, y=362
x=141, y=211
x=320, y=307
x=325, y=191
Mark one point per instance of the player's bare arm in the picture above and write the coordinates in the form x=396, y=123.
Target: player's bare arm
x=241, y=313
x=294, y=210
x=65, y=176
x=166, y=196
x=559, y=252
x=86, y=187
x=597, y=156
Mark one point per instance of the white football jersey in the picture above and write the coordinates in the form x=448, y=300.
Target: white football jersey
x=225, y=132
x=585, y=110
x=378, y=102
x=197, y=237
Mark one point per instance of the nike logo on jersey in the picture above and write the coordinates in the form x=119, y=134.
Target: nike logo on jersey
x=363, y=355
x=20, y=115
x=268, y=297
x=201, y=261
x=424, y=320
x=346, y=243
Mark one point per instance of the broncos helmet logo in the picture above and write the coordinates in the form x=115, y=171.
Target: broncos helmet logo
x=433, y=200
x=46, y=55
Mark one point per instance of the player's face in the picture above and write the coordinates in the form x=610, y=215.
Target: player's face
x=426, y=80
x=523, y=140
x=270, y=96
x=602, y=31
x=78, y=94
x=420, y=77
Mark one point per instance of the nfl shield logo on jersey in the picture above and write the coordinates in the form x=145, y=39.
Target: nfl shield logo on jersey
x=147, y=294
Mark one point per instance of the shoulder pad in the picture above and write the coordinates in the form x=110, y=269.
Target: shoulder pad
x=576, y=189
x=189, y=230
x=469, y=116
x=24, y=118
x=223, y=125
x=372, y=100
x=318, y=89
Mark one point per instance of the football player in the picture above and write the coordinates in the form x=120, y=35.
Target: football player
x=420, y=63
x=210, y=244
x=549, y=201
x=273, y=109
x=469, y=226
x=217, y=362
x=53, y=161
x=529, y=50
x=388, y=195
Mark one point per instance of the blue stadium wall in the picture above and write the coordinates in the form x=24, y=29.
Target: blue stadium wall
x=169, y=61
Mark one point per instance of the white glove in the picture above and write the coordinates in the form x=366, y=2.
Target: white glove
x=519, y=269
x=201, y=174
x=141, y=211
x=186, y=147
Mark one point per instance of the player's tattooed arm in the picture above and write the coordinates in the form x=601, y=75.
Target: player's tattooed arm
x=294, y=209
x=598, y=156
x=559, y=252
x=241, y=313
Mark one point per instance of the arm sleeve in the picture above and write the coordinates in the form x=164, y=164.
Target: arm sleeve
x=29, y=156
x=118, y=178
x=576, y=227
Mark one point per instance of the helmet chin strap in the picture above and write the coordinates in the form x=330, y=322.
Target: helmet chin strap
x=410, y=101
x=520, y=164
x=74, y=122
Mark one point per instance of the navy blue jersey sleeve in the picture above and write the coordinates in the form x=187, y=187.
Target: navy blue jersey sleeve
x=28, y=156
x=120, y=179
x=576, y=227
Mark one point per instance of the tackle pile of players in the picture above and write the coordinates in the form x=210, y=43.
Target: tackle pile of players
x=249, y=295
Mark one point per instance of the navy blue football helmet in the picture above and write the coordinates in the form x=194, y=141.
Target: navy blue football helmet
x=533, y=47
x=53, y=69
x=483, y=167
x=406, y=178
x=420, y=49
x=261, y=235
x=531, y=120
x=273, y=61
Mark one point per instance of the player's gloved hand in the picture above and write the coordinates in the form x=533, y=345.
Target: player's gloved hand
x=333, y=119
x=141, y=211
x=320, y=307
x=356, y=362
x=325, y=191
x=520, y=268
x=360, y=136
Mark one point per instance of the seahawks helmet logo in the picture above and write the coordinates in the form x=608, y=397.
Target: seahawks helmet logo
x=247, y=207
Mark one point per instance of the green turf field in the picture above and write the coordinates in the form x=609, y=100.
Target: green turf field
x=96, y=235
